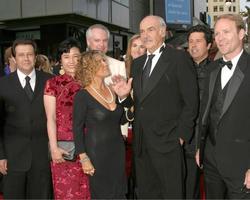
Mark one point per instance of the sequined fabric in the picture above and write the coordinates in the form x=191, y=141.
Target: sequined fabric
x=64, y=89
x=69, y=181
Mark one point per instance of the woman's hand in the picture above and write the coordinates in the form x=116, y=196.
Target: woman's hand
x=57, y=155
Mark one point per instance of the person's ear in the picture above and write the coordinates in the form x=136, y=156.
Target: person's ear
x=209, y=46
x=163, y=32
x=88, y=42
x=242, y=34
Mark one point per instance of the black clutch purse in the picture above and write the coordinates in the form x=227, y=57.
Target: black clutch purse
x=68, y=146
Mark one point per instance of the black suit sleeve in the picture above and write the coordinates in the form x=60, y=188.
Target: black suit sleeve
x=202, y=128
x=188, y=87
x=2, y=114
x=128, y=102
x=79, y=116
x=203, y=103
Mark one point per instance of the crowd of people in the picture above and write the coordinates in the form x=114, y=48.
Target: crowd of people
x=63, y=131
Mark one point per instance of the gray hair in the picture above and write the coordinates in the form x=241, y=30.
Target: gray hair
x=98, y=26
x=162, y=21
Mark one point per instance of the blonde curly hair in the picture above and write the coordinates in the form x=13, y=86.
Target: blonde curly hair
x=90, y=62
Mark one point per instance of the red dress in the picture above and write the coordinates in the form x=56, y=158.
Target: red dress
x=69, y=181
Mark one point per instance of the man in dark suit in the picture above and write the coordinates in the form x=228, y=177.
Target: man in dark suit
x=225, y=121
x=23, y=135
x=199, y=39
x=166, y=102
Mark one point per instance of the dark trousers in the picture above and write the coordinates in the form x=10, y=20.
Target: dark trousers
x=160, y=175
x=33, y=184
x=218, y=186
x=192, y=179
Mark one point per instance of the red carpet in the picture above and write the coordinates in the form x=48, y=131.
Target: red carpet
x=129, y=152
x=202, y=190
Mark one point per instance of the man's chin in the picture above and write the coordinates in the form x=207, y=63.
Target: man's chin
x=148, y=46
x=223, y=52
x=103, y=50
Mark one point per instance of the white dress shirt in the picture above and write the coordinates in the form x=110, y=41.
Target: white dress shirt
x=155, y=59
x=22, y=79
x=227, y=73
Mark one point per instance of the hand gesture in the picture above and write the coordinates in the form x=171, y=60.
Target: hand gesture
x=121, y=86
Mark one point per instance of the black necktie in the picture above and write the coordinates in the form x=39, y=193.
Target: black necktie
x=229, y=64
x=27, y=88
x=162, y=48
x=146, y=70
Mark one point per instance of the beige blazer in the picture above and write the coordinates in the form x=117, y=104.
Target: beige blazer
x=116, y=68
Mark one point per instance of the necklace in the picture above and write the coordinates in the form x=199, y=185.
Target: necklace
x=102, y=97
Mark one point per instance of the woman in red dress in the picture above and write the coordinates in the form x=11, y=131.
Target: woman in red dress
x=69, y=181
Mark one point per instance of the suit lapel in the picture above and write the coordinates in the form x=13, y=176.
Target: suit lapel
x=156, y=74
x=213, y=77
x=16, y=82
x=38, y=85
x=138, y=77
x=235, y=82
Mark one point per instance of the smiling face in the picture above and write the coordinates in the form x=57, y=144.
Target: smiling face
x=198, y=47
x=70, y=61
x=228, y=38
x=25, y=58
x=152, y=33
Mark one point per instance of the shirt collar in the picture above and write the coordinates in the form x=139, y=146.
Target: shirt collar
x=22, y=76
x=235, y=59
x=202, y=63
x=157, y=51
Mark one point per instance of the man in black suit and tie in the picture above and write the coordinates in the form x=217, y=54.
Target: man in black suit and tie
x=165, y=97
x=23, y=135
x=225, y=115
